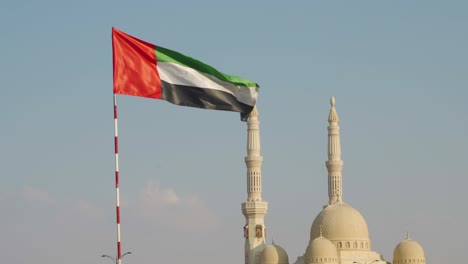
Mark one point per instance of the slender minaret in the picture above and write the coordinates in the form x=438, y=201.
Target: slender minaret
x=334, y=162
x=254, y=209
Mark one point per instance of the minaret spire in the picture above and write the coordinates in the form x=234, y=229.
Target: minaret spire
x=253, y=159
x=254, y=209
x=334, y=163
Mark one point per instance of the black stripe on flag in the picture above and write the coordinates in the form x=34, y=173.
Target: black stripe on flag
x=203, y=98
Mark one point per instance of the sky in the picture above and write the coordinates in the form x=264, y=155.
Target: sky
x=398, y=71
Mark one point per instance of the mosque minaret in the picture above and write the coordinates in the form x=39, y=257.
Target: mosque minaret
x=254, y=209
x=334, y=162
x=339, y=233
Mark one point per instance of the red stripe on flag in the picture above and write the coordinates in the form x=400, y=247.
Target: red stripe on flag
x=135, y=71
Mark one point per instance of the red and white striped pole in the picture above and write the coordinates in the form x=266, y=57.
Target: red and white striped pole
x=116, y=145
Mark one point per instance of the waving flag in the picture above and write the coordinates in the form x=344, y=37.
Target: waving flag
x=146, y=70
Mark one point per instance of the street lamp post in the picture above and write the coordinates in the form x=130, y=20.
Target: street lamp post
x=115, y=260
x=366, y=262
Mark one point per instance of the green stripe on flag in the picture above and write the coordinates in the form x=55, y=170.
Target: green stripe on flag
x=167, y=55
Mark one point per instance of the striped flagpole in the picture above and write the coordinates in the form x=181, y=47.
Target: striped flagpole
x=116, y=145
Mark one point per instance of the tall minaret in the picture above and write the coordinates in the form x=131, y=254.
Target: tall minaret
x=334, y=162
x=254, y=209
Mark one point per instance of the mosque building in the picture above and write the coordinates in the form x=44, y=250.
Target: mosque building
x=339, y=233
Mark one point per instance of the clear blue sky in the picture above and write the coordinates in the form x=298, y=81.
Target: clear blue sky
x=398, y=70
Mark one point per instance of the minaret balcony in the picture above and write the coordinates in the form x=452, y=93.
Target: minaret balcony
x=255, y=207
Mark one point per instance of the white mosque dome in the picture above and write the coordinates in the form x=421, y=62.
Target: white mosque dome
x=343, y=225
x=274, y=254
x=408, y=251
x=321, y=250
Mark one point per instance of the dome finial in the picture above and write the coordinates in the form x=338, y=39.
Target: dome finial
x=332, y=101
x=321, y=232
x=407, y=236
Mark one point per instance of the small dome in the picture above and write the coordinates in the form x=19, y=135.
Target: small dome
x=343, y=225
x=274, y=254
x=321, y=250
x=408, y=250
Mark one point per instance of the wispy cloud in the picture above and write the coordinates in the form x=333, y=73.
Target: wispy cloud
x=153, y=195
x=169, y=209
x=35, y=195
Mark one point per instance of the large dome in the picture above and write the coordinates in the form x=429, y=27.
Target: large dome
x=408, y=250
x=343, y=225
x=274, y=254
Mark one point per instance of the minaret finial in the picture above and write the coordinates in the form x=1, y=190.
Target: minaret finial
x=254, y=112
x=333, y=116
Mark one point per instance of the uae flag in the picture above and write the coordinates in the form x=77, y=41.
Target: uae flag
x=146, y=70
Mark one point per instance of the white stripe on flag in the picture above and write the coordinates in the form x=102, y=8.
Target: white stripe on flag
x=181, y=75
